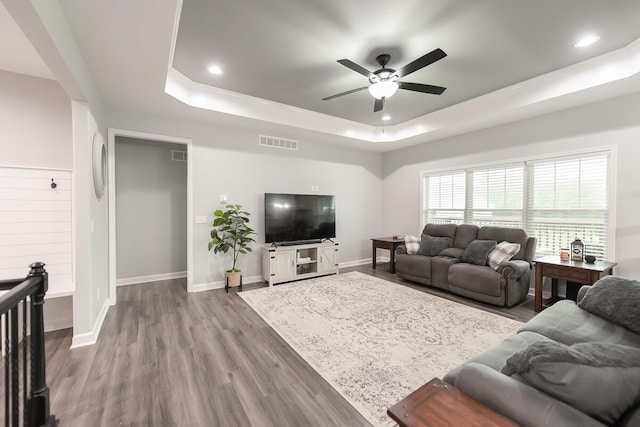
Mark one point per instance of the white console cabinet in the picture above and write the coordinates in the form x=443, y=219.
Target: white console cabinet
x=296, y=262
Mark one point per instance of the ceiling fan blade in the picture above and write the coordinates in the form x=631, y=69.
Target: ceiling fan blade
x=355, y=67
x=345, y=93
x=379, y=105
x=419, y=87
x=423, y=61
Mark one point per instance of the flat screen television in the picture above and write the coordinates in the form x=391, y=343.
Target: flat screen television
x=293, y=218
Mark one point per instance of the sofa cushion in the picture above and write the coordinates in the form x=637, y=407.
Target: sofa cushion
x=478, y=279
x=477, y=252
x=496, y=357
x=615, y=299
x=567, y=323
x=441, y=230
x=602, y=380
x=412, y=243
x=500, y=234
x=433, y=245
x=503, y=252
x=465, y=234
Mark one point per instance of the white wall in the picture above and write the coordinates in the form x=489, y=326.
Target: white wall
x=228, y=161
x=613, y=122
x=35, y=122
x=151, y=208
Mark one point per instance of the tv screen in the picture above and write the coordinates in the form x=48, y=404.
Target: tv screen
x=298, y=217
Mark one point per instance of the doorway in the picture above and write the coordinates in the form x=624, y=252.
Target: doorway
x=147, y=201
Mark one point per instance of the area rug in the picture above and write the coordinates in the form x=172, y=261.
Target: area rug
x=373, y=340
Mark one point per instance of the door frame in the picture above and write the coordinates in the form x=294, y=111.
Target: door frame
x=112, y=133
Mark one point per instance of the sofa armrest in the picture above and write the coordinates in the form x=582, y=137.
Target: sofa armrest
x=520, y=402
x=582, y=292
x=516, y=268
x=402, y=249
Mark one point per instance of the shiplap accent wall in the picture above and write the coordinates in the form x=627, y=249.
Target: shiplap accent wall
x=35, y=225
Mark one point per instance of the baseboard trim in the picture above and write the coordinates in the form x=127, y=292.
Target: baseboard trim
x=90, y=338
x=200, y=287
x=152, y=278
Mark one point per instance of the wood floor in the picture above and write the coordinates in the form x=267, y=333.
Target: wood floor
x=169, y=358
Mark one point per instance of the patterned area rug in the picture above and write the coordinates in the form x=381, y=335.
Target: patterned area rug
x=373, y=340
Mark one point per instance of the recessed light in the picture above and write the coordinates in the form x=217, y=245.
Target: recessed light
x=215, y=70
x=386, y=118
x=587, y=40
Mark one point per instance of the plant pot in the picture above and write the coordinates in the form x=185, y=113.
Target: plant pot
x=233, y=279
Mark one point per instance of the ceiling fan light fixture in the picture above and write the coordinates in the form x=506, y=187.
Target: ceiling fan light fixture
x=383, y=89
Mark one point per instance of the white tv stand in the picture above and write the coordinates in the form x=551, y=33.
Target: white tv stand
x=296, y=262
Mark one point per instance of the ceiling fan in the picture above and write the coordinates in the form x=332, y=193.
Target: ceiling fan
x=385, y=81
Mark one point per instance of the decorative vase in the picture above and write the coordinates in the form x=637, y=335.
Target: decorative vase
x=233, y=278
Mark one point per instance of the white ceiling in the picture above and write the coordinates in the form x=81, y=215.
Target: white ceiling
x=17, y=55
x=506, y=61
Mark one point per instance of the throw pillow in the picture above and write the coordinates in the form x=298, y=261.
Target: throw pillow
x=503, y=252
x=477, y=252
x=412, y=243
x=432, y=246
x=601, y=380
x=615, y=299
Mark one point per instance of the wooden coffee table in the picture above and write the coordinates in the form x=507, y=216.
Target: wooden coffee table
x=438, y=404
x=573, y=271
x=388, y=243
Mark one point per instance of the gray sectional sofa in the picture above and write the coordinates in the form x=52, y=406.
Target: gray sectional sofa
x=571, y=365
x=507, y=285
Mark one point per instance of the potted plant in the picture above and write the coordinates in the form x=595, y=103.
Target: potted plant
x=231, y=231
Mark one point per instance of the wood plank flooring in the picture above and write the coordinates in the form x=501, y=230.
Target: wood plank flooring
x=169, y=358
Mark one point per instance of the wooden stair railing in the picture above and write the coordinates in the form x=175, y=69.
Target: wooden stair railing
x=21, y=307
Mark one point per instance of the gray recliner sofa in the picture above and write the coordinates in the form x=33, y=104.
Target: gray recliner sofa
x=506, y=286
x=562, y=392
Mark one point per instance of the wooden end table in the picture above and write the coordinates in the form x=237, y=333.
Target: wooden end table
x=439, y=404
x=573, y=271
x=388, y=243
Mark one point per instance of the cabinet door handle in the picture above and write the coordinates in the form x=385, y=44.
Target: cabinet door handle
x=321, y=258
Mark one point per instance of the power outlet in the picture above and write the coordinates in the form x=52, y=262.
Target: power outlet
x=201, y=219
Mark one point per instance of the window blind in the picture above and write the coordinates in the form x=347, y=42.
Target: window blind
x=444, y=197
x=569, y=199
x=496, y=196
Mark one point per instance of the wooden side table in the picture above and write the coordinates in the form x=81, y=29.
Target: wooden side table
x=388, y=243
x=439, y=404
x=574, y=271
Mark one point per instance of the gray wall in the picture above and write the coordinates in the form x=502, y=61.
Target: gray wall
x=151, y=208
x=613, y=123
x=228, y=161
x=35, y=122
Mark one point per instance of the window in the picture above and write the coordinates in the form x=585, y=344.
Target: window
x=554, y=199
x=568, y=198
x=444, y=198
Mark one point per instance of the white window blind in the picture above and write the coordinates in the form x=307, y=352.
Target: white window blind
x=444, y=197
x=568, y=198
x=495, y=196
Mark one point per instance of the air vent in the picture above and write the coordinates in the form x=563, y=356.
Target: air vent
x=275, y=142
x=178, y=156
